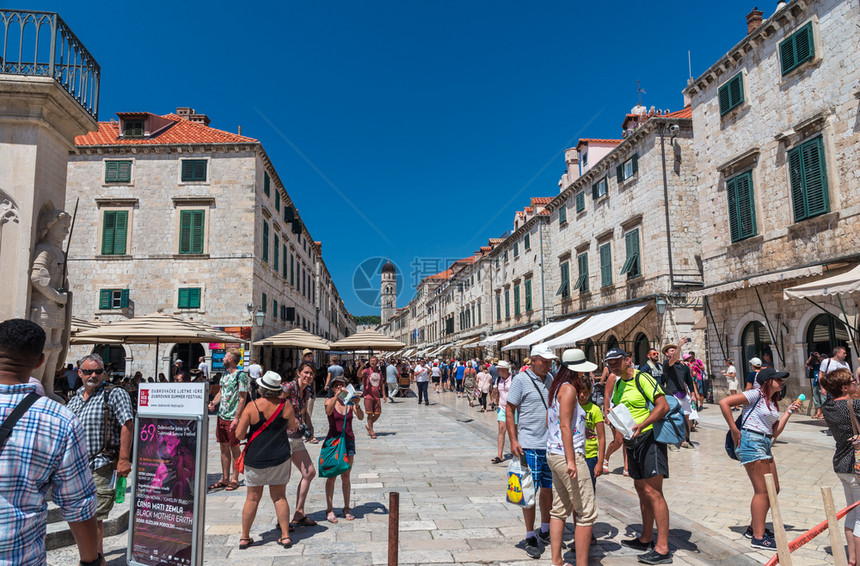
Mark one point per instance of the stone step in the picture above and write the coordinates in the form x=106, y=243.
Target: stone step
x=59, y=534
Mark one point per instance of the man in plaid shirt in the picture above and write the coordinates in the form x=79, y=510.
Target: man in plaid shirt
x=45, y=451
x=108, y=443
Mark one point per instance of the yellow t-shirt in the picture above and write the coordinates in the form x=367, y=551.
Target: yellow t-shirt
x=627, y=393
x=593, y=415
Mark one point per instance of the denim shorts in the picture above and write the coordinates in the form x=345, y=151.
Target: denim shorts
x=541, y=473
x=754, y=446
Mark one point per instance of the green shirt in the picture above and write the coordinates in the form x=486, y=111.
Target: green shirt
x=593, y=415
x=232, y=384
x=626, y=392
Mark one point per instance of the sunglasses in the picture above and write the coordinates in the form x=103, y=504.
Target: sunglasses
x=98, y=371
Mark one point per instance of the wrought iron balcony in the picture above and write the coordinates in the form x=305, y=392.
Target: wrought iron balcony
x=40, y=44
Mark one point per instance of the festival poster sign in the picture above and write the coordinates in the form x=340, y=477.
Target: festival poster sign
x=163, y=514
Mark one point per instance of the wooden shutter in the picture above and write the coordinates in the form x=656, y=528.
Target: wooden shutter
x=562, y=214
x=594, y=194
x=528, y=294
x=266, y=242
x=725, y=104
x=123, y=299
x=516, y=299
x=795, y=174
x=631, y=265
x=734, y=217
x=285, y=261
x=194, y=297
x=185, y=231
x=198, y=218
x=605, y=265
x=277, y=201
x=104, y=299
x=745, y=205
x=814, y=176
x=804, y=47
x=193, y=170
x=120, y=232
x=266, y=184
x=117, y=171
x=264, y=301
x=507, y=303
x=736, y=89
x=619, y=173
x=108, y=231
x=635, y=163
x=580, y=201
x=786, y=55
x=182, y=301
x=275, y=250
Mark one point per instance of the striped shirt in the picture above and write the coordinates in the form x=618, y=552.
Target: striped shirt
x=45, y=451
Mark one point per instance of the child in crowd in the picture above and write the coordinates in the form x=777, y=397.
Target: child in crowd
x=595, y=442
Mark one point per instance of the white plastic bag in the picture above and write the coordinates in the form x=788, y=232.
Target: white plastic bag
x=521, y=489
x=622, y=420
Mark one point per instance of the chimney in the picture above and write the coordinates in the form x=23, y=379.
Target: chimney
x=184, y=111
x=199, y=119
x=240, y=129
x=754, y=20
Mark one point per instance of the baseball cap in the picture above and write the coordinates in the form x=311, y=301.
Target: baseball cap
x=574, y=359
x=542, y=351
x=770, y=373
x=614, y=354
x=755, y=362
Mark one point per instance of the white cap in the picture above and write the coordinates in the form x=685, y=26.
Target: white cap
x=504, y=364
x=755, y=362
x=542, y=351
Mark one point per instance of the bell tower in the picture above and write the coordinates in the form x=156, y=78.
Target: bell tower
x=388, y=292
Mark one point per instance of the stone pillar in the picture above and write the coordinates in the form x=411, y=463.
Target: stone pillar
x=39, y=121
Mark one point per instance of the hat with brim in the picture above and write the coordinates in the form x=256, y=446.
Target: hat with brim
x=667, y=347
x=339, y=379
x=542, y=351
x=307, y=351
x=270, y=381
x=574, y=360
x=504, y=364
x=770, y=373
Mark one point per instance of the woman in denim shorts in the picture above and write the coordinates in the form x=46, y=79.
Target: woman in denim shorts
x=761, y=422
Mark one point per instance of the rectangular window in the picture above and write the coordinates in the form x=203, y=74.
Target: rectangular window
x=731, y=94
x=507, y=303
x=498, y=307
x=285, y=261
x=265, y=242
x=516, y=299
x=606, y=265
x=739, y=190
x=527, y=245
x=277, y=201
x=275, y=308
x=808, y=175
x=117, y=171
x=275, y=250
x=516, y=249
x=132, y=128
x=564, y=288
x=580, y=201
x=110, y=299
x=627, y=169
x=292, y=270
x=582, y=280
x=506, y=256
x=265, y=301
x=562, y=214
x=193, y=170
x=114, y=232
x=528, y=295
x=267, y=182
x=189, y=298
x=191, y=231
x=632, y=265
x=598, y=189
x=797, y=49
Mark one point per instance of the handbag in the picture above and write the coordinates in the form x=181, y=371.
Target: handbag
x=671, y=429
x=240, y=461
x=332, y=462
x=855, y=439
x=730, y=442
x=521, y=489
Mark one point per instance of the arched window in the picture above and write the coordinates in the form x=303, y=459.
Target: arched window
x=640, y=349
x=589, y=349
x=611, y=342
x=755, y=341
x=825, y=333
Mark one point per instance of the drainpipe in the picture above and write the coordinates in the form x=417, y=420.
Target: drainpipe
x=542, y=286
x=666, y=204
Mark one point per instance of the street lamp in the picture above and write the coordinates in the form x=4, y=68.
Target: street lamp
x=661, y=304
x=260, y=317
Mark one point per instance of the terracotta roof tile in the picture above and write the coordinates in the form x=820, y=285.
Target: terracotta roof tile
x=541, y=200
x=687, y=112
x=180, y=132
x=596, y=140
x=544, y=212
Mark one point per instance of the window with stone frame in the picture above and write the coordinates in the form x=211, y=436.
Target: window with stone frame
x=580, y=201
x=598, y=189
x=625, y=170
x=564, y=287
x=517, y=310
x=507, y=303
x=111, y=299
x=192, y=230
x=797, y=49
x=582, y=280
x=528, y=286
x=188, y=298
x=114, y=232
x=741, y=202
x=731, y=94
x=527, y=244
x=632, y=265
x=808, y=179
x=118, y=171
x=562, y=214
x=606, y=264
x=194, y=170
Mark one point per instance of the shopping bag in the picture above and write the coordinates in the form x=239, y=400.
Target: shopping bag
x=521, y=489
x=332, y=462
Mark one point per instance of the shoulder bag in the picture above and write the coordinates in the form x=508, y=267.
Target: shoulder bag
x=671, y=429
x=530, y=374
x=855, y=438
x=9, y=423
x=332, y=462
x=240, y=461
x=740, y=421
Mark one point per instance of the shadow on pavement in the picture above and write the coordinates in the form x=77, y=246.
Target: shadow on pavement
x=371, y=508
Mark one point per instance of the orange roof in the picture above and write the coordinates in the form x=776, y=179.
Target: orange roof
x=442, y=275
x=687, y=112
x=528, y=209
x=541, y=200
x=544, y=212
x=180, y=132
x=596, y=140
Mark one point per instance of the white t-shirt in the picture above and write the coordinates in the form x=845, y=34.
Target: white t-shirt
x=204, y=369
x=830, y=364
x=761, y=416
x=436, y=371
x=255, y=371
x=731, y=370
x=421, y=374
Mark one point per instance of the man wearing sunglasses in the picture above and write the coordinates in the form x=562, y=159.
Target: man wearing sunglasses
x=106, y=415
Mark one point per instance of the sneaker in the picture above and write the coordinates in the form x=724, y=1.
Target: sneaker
x=543, y=537
x=749, y=532
x=764, y=543
x=687, y=444
x=654, y=557
x=637, y=544
x=533, y=547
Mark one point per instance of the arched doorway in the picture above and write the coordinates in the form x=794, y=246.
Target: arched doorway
x=113, y=356
x=188, y=353
x=611, y=342
x=589, y=349
x=755, y=342
x=825, y=333
x=640, y=349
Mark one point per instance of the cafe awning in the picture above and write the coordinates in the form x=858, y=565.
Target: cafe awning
x=542, y=334
x=842, y=284
x=368, y=340
x=295, y=338
x=472, y=342
x=507, y=335
x=597, y=324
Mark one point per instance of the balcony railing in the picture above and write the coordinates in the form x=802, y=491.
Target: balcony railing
x=40, y=44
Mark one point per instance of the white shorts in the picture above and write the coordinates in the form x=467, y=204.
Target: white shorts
x=733, y=386
x=685, y=405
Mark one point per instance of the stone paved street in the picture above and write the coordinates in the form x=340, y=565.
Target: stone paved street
x=452, y=510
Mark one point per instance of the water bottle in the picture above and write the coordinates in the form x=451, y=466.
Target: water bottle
x=120, y=490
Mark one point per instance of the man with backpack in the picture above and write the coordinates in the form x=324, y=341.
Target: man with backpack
x=647, y=459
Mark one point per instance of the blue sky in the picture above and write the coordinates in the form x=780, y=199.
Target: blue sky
x=428, y=118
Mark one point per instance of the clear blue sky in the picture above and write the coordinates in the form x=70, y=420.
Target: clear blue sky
x=427, y=117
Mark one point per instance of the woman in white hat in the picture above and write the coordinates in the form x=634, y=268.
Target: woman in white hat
x=572, y=490
x=267, y=455
x=503, y=385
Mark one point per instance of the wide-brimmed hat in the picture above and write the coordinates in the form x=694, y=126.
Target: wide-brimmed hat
x=770, y=373
x=339, y=379
x=542, y=351
x=307, y=351
x=614, y=354
x=270, y=381
x=667, y=346
x=755, y=362
x=504, y=364
x=574, y=360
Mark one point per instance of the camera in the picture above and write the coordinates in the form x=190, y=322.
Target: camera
x=305, y=431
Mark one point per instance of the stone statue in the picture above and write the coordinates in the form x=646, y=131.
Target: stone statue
x=48, y=301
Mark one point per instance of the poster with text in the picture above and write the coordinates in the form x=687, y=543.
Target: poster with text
x=163, y=513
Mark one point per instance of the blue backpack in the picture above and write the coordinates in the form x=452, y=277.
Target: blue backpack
x=671, y=429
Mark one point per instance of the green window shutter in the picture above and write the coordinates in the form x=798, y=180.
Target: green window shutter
x=631, y=265
x=516, y=299
x=193, y=170
x=292, y=271
x=198, y=219
x=267, y=184
x=736, y=90
x=194, y=298
x=104, y=299
x=117, y=171
x=275, y=251
x=185, y=231
x=594, y=194
x=742, y=223
x=725, y=104
x=285, y=261
x=786, y=55
x=562, y=214
x=516, y=249
x=619, y=173
x=182, y=299
x=582, y=280
x=796, y=178
x=275, y=308
x=266, y=242
x=120, y=234
x=635, y=163
x=277, y=201
x=123, y=299
x=526, y=244
x=498, y=306
x=108, y=232
x=528, y=294
x=507, y=303
x=797, y=49
x=580, y=202
x=111, y=168
x=264, y=301
x=605, y=265
x=734, y=219
x=815, y=177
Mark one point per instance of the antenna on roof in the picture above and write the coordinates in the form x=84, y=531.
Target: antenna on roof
x=641, y=92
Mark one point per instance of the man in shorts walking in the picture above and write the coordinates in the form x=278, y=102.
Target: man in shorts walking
x=231, y=398
x=391, y=380
x=528, y=398
x=647, y=459
x=371, y=392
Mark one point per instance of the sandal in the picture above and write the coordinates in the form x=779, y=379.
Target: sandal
x=218, y=485
x=496, y=460
x=330, y=517
x=244, y=543
x=347, y=515
x=304, y=522
x=285, y=542
x=232, y=486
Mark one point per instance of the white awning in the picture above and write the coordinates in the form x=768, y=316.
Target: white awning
x=597, y=324
x=408, y=352
x=765, y=279
x=495, y=338
x=542, y=334
x=842, y=284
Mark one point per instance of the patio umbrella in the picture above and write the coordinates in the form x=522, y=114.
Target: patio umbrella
x=295, y=338
x=368, y=340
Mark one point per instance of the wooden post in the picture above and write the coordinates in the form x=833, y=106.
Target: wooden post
x=393, y=527
x=778, y=526
x=836, y=545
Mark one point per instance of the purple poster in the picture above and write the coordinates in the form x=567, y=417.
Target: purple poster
x=163, y=514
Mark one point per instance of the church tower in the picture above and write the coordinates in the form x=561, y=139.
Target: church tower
x=388, y=292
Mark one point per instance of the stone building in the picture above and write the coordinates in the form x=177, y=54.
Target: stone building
x=777, y=147
x=388, y=291
x=179, y=217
